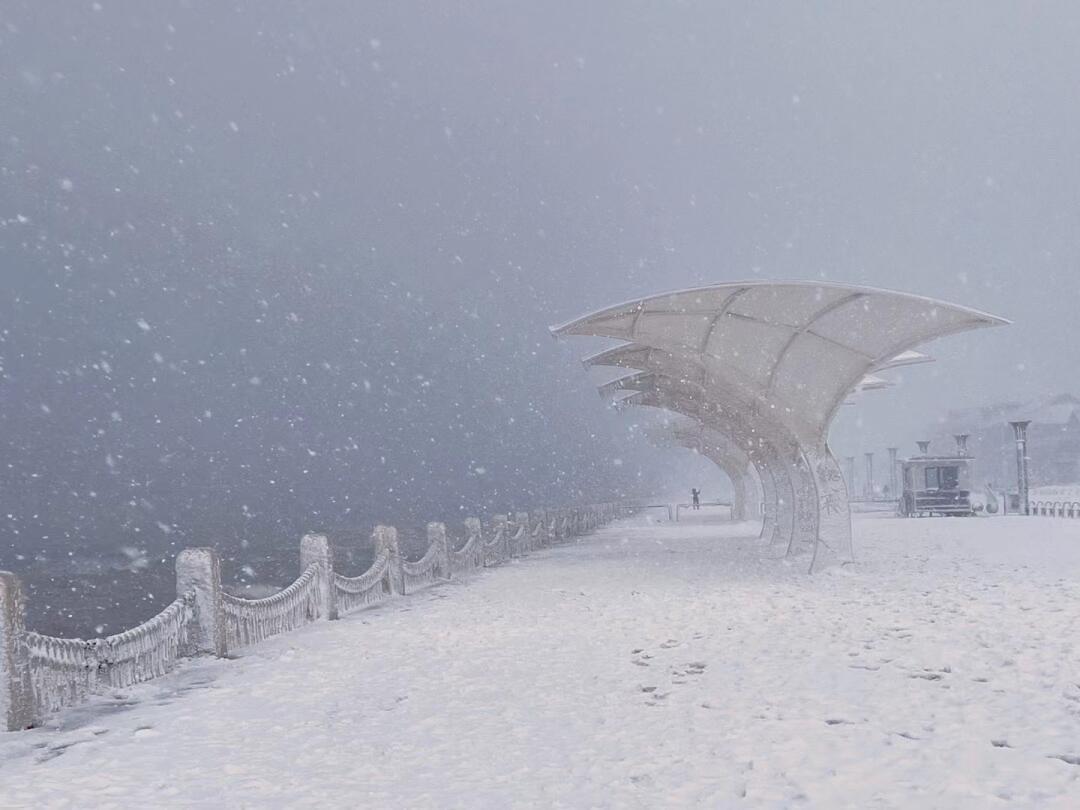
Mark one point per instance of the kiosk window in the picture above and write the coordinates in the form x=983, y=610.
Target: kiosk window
x=933, y=480
x=942, y=477
x=950, y=477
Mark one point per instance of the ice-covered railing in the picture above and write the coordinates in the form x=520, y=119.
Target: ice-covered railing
x=433, y=565
x=249, y=621
x=370, y=588
x=66, y=671
x=42, y=674
x=472, y=553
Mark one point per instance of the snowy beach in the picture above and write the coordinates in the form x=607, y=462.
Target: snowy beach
x=651, y=664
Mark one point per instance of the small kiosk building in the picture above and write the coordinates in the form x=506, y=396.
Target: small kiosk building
x=937, y=485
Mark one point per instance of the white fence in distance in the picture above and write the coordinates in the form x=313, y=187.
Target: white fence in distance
x=42, y=674
x=1065, y=509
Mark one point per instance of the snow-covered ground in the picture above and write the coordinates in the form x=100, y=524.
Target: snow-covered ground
x=651, y=665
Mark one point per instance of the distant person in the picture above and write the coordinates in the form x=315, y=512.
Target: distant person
x=695, y=497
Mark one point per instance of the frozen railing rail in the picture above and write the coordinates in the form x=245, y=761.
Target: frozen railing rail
x=42, y=674
x=433, y=566
x=370, y=588
x=249, y=621
x=680, y=507
x=471, y=554
x=64, y=672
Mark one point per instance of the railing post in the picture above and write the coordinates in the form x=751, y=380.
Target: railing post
x=474, y=528
x=16, y=696
x=511, y=534
x=436, y=535
x=522, y=520
x=315, y=550
x=501, y=527
x=536, y=529
x=386, y=537
x=199, y=570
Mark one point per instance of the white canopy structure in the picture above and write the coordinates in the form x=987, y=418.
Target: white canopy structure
x=767, y=365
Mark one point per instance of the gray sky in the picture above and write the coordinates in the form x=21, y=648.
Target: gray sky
x=318, y=244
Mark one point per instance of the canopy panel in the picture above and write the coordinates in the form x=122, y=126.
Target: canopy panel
x=796, y=347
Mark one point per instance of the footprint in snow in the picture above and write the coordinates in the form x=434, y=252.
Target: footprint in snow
x=1071, y=759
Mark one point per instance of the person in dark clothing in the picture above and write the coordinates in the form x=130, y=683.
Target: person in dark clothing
x=695, y=495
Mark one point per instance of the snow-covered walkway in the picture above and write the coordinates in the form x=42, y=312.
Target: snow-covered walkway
x=649, y=665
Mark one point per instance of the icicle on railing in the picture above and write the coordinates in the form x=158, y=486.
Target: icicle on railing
x=149, y=650
x=434, y=566
x=518, y=526
x=67, y=671
x=369, y=588
x=46, y=673
x=249, y=621
x=63, y=671
x=470, y=555
x=422, y=572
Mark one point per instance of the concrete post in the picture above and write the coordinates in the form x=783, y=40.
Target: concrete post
x=500, y=527
x=386, y=537
x=522, y=519
x=436, y=535
x=894, y=482
x=16, y=695
x=315, y=549
x=849, y=464
x=543, y=516
x=474, y=528
x=1023, y=481
x=199, y=570
x=869, y=476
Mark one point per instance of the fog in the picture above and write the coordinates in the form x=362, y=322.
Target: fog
x=271, y=267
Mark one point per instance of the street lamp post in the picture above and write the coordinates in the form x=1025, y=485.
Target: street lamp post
x=894, y=492
x=1020, y=432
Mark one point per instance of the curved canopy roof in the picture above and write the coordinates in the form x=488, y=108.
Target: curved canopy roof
x=796, y=347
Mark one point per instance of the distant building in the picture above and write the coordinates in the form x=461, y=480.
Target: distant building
x=1053, y=440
